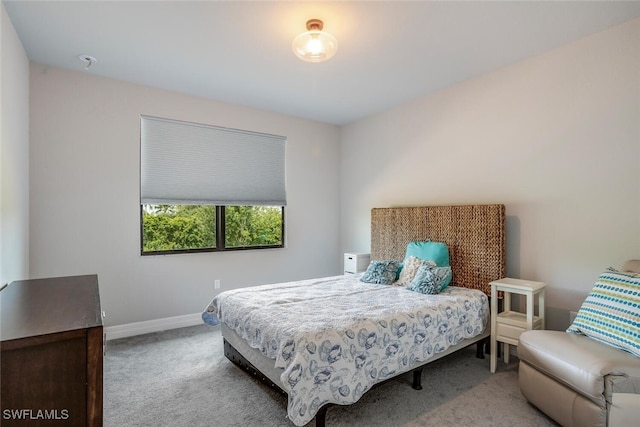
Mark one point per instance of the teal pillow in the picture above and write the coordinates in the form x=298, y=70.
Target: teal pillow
x=381, y=272
x=430, y=279
x=437, y=252
x=611, y=312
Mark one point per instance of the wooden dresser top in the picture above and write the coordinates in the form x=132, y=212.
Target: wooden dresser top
x=46, y=306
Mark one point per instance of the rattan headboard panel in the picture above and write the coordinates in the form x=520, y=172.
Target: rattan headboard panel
x=475, y=235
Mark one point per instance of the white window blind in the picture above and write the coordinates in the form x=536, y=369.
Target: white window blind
x=189, y=163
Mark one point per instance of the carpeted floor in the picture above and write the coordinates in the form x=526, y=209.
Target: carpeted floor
x=181, y=378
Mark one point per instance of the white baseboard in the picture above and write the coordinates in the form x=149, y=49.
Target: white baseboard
x=149, y=326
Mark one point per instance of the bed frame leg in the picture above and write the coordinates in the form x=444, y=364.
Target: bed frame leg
x=480, y=348
x=487, y=348
x=417, y=379
x=321, y=416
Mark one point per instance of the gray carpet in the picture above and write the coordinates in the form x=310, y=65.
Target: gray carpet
x=181, y=378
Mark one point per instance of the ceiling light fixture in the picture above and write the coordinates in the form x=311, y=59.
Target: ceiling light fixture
x=314, y=45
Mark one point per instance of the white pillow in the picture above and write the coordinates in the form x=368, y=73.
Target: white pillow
x=411, y=266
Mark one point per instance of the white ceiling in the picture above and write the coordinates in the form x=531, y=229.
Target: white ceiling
x=389, y=52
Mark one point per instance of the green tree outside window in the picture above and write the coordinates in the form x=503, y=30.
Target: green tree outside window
x=175, y=228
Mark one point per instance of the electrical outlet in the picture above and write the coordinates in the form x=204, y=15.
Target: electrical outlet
x=216, y=284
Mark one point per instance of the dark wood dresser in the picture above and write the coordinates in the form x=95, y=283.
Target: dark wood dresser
x=51, y=352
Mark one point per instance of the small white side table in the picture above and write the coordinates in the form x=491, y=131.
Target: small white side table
x=356, y=262
x=507, y=325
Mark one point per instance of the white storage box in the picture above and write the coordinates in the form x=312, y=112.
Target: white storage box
x=356, y=263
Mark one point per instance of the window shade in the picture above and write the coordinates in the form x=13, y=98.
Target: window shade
x=189, y=163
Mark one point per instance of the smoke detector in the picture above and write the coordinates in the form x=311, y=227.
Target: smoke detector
x=88, y=60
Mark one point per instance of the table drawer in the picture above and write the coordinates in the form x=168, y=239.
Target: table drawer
x=508, y=333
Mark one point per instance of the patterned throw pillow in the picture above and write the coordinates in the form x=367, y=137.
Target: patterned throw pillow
x=411, y=266
x=438, y=252
x=611, y=312
x=381, y=272
x=430, y=279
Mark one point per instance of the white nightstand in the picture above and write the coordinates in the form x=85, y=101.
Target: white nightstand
x=507, y=325
x=356, y=263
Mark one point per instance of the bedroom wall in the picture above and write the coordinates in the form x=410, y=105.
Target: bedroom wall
x=85, y=196
x=14, y=155
x=555, y=138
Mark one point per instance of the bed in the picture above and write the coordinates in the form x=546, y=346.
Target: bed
x=327, y=341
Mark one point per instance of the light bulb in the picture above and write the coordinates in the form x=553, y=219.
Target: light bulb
x=314, y=45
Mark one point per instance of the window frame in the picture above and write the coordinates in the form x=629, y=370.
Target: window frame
x=220, y=237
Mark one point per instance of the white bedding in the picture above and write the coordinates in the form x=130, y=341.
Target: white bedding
x=336, y=337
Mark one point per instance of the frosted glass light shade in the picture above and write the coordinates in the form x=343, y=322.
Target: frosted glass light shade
x=315, y=46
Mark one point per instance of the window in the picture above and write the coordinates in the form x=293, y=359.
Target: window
x=253, y=226
x=181, y=228
x=204, y=188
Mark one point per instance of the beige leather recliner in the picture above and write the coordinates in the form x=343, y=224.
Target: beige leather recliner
x=579, y=381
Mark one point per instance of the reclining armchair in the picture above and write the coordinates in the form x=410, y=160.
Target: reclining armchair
x=590, y=374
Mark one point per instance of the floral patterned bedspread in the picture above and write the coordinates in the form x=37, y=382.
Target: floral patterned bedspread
x=336, y=337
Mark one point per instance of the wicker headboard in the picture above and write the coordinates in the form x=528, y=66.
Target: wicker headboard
x=475, y=235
